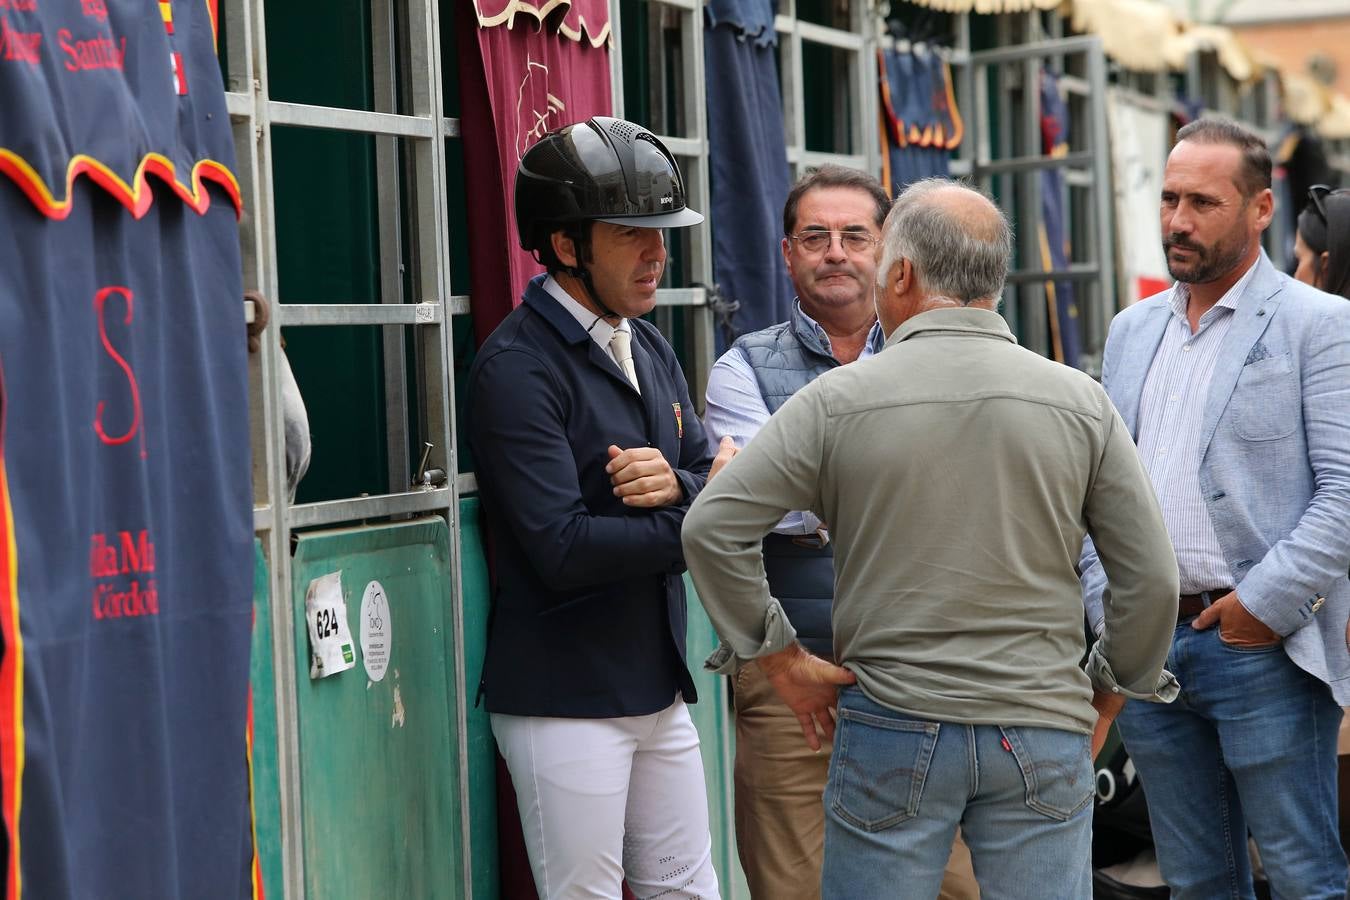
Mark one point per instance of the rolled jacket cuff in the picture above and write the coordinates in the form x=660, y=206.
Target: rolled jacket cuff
x=778, y=635
x=1104, y=679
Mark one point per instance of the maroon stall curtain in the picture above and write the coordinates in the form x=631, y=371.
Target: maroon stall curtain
x=527, y=67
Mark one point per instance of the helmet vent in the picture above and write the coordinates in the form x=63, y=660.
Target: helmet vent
x=623, y=130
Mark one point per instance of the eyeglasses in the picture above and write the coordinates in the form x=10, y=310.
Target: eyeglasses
x=1318, y=194
x=818, y=240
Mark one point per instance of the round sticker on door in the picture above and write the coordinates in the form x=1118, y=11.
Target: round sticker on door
x=376, y=631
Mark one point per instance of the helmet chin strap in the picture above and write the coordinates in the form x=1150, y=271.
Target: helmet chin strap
x=581, y=243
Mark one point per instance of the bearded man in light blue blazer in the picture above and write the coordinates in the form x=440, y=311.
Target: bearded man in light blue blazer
x=1236, y=386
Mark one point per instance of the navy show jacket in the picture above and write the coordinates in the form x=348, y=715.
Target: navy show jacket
x=588, y=604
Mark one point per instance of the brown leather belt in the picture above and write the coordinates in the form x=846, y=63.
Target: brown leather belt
x=1191, y=605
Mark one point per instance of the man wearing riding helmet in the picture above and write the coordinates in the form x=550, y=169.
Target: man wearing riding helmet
x=588, y=454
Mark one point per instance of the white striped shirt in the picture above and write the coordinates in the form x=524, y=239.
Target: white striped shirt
x=1171, y=410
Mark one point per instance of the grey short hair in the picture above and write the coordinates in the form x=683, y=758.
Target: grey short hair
x=954, y=258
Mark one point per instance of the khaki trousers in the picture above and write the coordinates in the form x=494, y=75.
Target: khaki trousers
x=780, y=814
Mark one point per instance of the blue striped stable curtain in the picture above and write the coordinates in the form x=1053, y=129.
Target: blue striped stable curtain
x=748, y=161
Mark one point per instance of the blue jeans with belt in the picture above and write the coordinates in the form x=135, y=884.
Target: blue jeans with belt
x=900, y=785
x=1250, y=744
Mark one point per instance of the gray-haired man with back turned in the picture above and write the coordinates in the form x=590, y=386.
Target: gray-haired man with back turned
x=958, y=473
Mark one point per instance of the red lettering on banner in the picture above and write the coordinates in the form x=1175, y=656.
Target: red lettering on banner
x=19, y=5
x=94, y=9
x=113, y=599
x=99, y=299
x=19, y=46
x=138, y=554
x=136, y=600
x=102, y=558
x=96, y=53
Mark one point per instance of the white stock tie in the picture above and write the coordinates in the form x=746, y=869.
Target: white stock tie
x=621, y=346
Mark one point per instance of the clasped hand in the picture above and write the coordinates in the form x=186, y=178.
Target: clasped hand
x=642, y=477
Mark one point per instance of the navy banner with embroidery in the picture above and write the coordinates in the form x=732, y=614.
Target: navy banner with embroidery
x=125, y=502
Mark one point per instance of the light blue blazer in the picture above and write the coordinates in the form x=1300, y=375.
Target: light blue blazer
x=1275, y=459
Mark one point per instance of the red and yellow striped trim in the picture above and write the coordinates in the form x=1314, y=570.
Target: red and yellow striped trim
x=213, y=10
x=136, y=197
x=255, y=870
x=11, y=674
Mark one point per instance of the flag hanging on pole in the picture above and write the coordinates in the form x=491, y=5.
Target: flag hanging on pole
x=125, y=475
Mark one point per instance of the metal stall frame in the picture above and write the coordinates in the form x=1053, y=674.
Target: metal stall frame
x=1086, y=168
x=691, y=150
x=860, y=42
x=409, y=33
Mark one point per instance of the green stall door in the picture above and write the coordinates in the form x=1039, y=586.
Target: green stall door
x=717, y=740
x=263, y=772
x=477, y=593
x=379, y=760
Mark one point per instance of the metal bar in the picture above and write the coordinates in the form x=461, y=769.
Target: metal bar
x=807, y=158
x=865, y=136
x=466, y=483
x=1103, y=237
x=699, y=337
x=239, y=105
x=458, y=305
x=264, y=267
x=388, y=44
x=615, y=59
x=332, y=512
x=1075, y=272
x=793, y=76
x=450, y=127
x=965, y=96
x=303, y=115
x=238, y=63
x=1034, y=50
x=361, y=314
x=685, y=146
x=1036, y=163
x=430, y=258
x=820, y=34
x=1034, y=334
x=1072, y=84
x=263, y=520
x=1002, y=98
x=690, y=296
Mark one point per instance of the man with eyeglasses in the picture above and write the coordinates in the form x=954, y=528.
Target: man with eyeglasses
x=1235, y=384
x=831, y=224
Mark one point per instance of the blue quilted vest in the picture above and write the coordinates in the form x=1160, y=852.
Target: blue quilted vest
x=786, y=358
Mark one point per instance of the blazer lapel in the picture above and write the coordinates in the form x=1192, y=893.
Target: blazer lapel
x=603, y=361
x=1255, y=309
x=571, y=332
x=1133, y=366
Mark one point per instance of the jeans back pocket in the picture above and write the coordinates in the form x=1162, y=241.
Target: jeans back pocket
x=879, y=768
x=1056, y=768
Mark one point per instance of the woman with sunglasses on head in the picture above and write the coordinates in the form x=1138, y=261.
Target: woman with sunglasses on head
x=1322, y=242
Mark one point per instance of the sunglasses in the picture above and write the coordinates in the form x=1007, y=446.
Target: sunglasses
x=1318, y=194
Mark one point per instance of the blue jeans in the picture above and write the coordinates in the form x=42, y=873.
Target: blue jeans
x=900, y=785
x=1249, y=744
